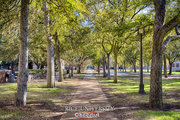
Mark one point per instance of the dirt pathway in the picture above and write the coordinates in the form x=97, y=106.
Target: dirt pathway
x=89, y=102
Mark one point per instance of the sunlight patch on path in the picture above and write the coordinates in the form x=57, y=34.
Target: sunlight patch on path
x=89, y=94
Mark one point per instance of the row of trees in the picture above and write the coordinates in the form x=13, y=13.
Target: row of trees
x=82, y=30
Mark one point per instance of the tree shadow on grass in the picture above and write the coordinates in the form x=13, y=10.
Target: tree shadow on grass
x=127, y=104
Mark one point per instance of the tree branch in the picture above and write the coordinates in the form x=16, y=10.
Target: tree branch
x=139, y=11
x=111, y=3
x=169, y=39
x=177, y=29
x=171, y=24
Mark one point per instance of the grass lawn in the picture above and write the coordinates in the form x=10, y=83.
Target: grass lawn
x=124, y=96
x=42, y=102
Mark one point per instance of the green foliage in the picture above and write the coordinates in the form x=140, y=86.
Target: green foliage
x=172, y=51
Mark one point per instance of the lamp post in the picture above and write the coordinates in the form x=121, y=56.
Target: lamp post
x=141, y=85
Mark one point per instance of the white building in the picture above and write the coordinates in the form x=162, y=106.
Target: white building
x=176, y=66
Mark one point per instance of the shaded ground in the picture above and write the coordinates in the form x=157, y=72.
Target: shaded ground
x=42, y=103
x=130, y=105
x=49, y=104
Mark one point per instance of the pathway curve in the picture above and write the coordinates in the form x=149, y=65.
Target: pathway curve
x=89, y=96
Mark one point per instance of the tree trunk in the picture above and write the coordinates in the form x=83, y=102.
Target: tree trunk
x=23, y=58
x=134, y=64
x=125, y=66
x=72, y=71
x=12, y=67
x=115, y=68
x=148, y=67
x=165, y=69
x=141, y=85
x=104, y=66
x=50, y=51
x=160, y=30
x=170, y=68
x=58, y=55
x=155, y=98
x=30, y=65
x=79, y=69
x=41, y=66
x=69, y=68
x=98, y=68
x=108, y=66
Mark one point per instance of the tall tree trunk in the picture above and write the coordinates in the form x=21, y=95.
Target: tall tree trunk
x=79, y=69
x=155, y=98
x=72, y=70
x=108, y=66
x=134, y=64
x=50, y=51
x=141, y=85
x=170, y=68
x=30, y=65
x=58, y=55
x=12, y=67
x=165, y=68
x=115, y=68
x=69, y=68
x=104, y=66
x=124, y=66
x=38, y=66
x=148, y=67
x=23, y=58
x=98, y=68
x=160, y=30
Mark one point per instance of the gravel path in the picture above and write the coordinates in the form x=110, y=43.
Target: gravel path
x=89, y=102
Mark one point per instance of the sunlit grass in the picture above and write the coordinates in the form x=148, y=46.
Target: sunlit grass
x=37, y=93
x=129, y=87
x=158, y=115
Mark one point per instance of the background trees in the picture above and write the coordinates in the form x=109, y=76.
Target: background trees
x=81, y=30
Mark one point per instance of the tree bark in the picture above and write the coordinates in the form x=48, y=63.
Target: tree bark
x=108, y=66
x=104, y=66
x=30, y=65
x=23, y=58
x=155, y=98
x=58, y=55
x=12, y=67
x=170, y=68
x=159, y=47
x=50, y=51
x=148, y=67
x=79, y=69
x=141, y=85
x=98, y=68
x=134, y=64
x=124, y=66
x=165, y=69
x=115, y=68
x=72, y=70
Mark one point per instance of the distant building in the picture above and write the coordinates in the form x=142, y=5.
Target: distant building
x=45, y=67
x=176, y=66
